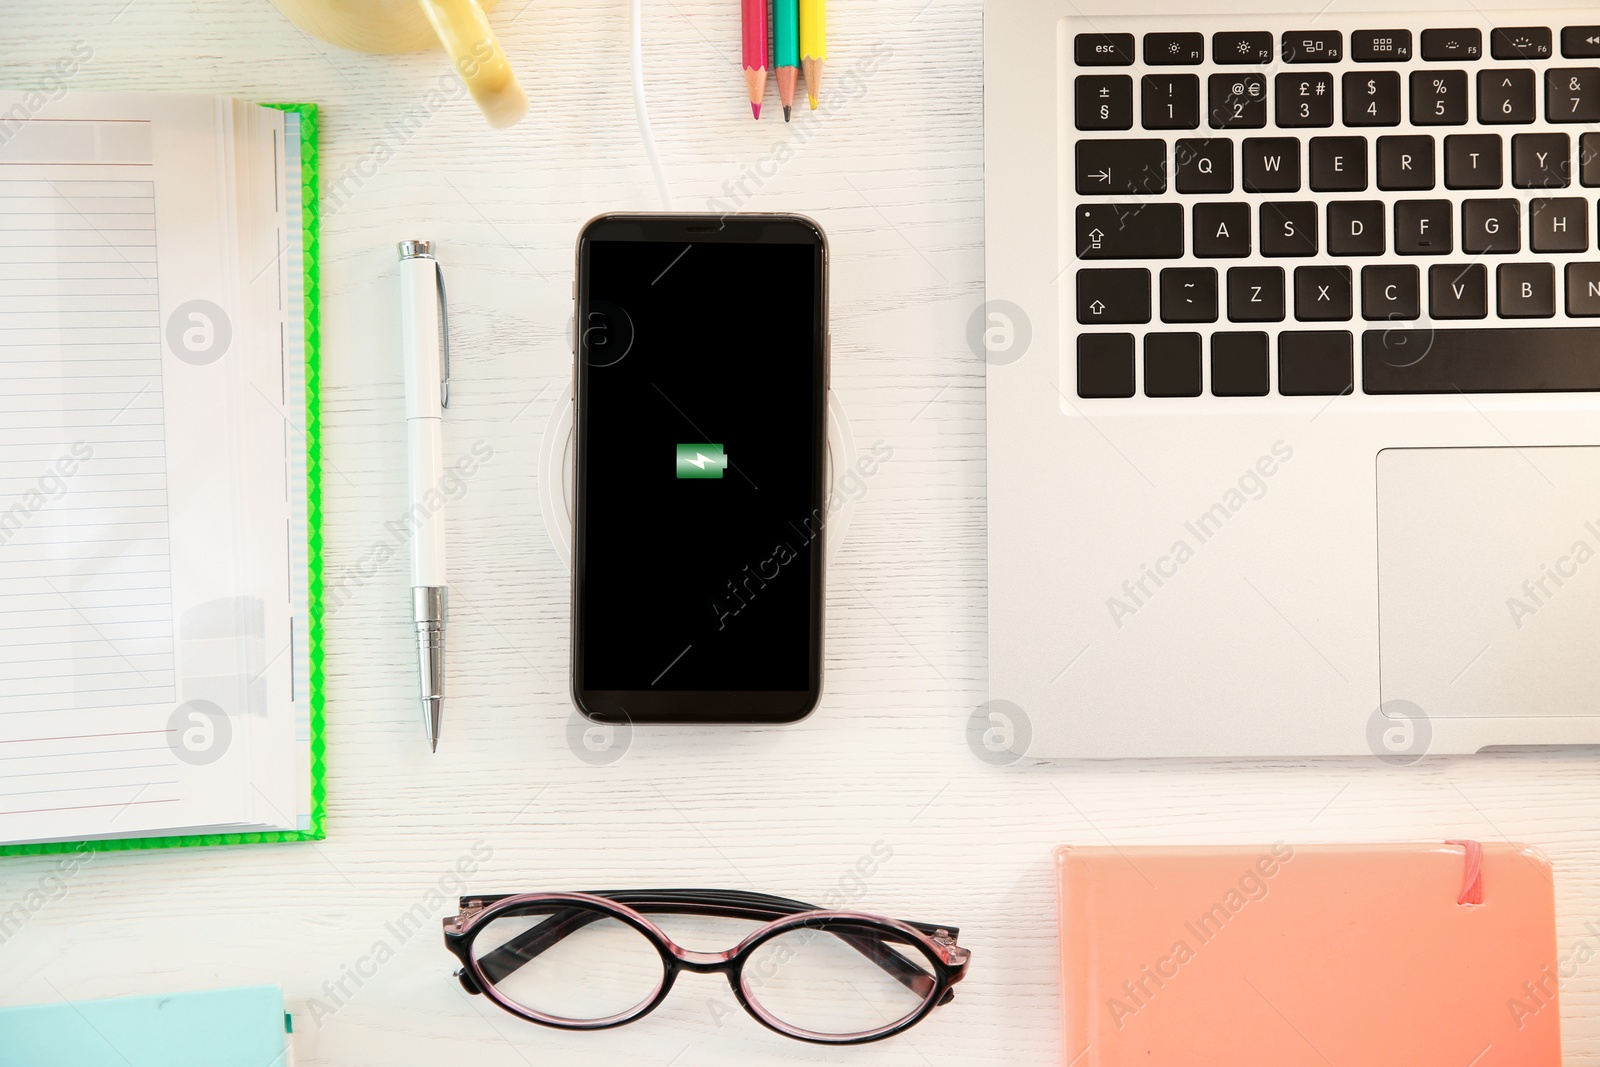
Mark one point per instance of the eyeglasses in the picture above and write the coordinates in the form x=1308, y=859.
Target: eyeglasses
x=589, y=961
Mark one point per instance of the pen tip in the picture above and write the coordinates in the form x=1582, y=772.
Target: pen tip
x=813, y=100
x=786, y=113
x=755, y=109
x=434, y=744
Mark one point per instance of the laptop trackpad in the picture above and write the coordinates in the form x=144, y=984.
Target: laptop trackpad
x=1489, y=584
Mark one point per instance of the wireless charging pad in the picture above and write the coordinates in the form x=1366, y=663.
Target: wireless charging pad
x=558, y=451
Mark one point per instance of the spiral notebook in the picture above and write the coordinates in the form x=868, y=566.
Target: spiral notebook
x=160, y=672
x=1427, y=955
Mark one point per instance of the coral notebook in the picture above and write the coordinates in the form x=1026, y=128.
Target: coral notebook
x=1304, y=956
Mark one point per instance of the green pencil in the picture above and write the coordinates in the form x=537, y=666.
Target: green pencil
x=786, y=42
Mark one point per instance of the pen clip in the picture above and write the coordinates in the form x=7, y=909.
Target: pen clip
x=444, y=336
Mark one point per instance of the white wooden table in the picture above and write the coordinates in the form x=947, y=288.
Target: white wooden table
x=892, y=168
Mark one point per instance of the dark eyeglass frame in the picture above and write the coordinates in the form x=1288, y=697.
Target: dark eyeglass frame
x=862, y=931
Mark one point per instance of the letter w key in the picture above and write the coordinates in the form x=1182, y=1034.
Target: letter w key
x=1271, y=164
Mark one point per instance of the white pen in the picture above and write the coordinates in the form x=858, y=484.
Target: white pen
x=425, y=345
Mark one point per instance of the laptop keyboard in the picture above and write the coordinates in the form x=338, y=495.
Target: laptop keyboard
x=1402, y=210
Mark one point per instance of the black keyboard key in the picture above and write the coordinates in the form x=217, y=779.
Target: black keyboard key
x=1558, y=225
x=1104, y=101
x=1405, y=163
x=1322, y=294
x=1189, y=294
x=1170, y=101
x=1237, y=101
x=1170, y=49
x=1121, y=168
x=1316, y=363
x=1452, y=46
x=1204, y=165
x=1390, y=293
x=1491, y=226
x=1589, y=159
x=1103, y=49
x=1438, y=97
x=1522, y=42
x=1172, y=364
x=1527, y=290
x=1255, y=294
x=1355, y=228
x=1583, y=290
x=1506, y=96
x=1130, y=231
x=1372, y=98
x=1541, y=161
x=1380, y=46
x=1240, y=364
x=1581, y=42
x=1483, y=360
x=1270, y=164
x=1338, y=164
x=1305, y=99
x=1289, y=229
x=1473, y=161
x=1313, y=46
x=1422, y=228
x=1221, y=230
x=1232, y=47
x=1113, y=296
x=1105, y=365
x=1572, y=94
x=1458, y=291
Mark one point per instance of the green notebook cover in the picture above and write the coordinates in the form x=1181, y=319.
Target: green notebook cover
x=313, y=347
x=217, y=1028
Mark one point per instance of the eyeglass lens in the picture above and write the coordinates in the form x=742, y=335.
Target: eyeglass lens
x=601, y=969
x=836, y=982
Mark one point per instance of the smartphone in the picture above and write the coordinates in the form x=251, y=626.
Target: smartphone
x=701, y=392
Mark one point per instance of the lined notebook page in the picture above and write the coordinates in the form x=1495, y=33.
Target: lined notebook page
x=87, y=612
x=143, y=519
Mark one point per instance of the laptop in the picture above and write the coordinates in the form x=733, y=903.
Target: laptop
x=1292, y=329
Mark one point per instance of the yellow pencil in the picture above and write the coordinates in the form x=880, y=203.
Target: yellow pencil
x=813, y=45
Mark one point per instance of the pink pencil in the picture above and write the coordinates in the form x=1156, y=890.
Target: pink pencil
x=755, y=52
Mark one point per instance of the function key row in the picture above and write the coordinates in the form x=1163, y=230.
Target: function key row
x=1305, y=100
x=1291, y=228
x=1516, y=43
x=1405, y=163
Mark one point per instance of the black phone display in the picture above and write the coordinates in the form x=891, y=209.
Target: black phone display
x=701, y=442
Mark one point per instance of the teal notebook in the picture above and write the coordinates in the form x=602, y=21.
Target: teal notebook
x=244, y=1027
x=160, y=502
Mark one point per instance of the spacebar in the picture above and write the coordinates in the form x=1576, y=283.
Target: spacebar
x=1546, y=360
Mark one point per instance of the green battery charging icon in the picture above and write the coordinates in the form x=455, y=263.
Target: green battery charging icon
x=701, y=461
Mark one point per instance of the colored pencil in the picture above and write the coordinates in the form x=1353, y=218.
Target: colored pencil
x=755, y=52
x=813, y=45
x=786, y=49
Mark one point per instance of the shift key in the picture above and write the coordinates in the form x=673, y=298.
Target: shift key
x=1130, y=231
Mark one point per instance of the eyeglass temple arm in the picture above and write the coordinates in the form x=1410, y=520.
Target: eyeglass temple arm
x=522, y=948
x=760, y=905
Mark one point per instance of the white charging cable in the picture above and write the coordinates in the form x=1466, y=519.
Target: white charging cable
x=642, y=111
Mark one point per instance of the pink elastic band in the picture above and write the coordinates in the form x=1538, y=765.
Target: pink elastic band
x=1472, y=879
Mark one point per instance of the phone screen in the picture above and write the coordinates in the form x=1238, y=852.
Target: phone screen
x=700, y=518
